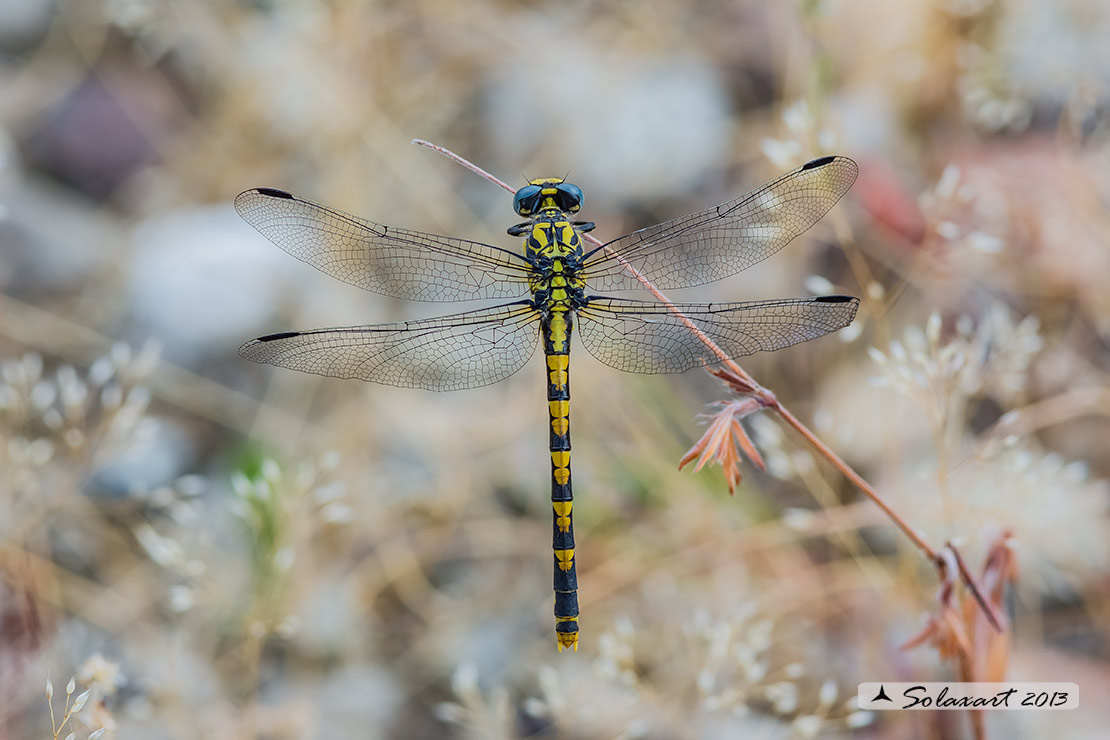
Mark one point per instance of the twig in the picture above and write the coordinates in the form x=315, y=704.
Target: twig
x=766, y=398
x=973, y=585
x=465, y=163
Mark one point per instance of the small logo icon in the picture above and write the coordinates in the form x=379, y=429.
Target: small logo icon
x=882, y=694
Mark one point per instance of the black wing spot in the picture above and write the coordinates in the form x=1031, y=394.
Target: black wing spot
x=274, y=193
x=833, y=299
x=815, y=163
x=279, y=335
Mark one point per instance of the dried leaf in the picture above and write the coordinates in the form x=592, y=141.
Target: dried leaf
x=723, y=441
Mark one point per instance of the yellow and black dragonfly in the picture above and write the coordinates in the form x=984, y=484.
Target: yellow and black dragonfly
x=552, y=279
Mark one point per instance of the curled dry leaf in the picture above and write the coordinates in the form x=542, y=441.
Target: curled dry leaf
x=724, y=440
x=991, y=647
x=965, y=632
x=945, y=630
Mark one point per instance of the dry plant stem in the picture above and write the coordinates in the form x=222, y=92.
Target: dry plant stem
x=766, y=398
x=1058, y=409
x=855, y=478
x=465, y=163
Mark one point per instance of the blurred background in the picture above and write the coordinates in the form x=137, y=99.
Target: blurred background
x=216, y=549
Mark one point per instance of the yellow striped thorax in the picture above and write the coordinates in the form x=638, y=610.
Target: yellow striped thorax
x=551, y=241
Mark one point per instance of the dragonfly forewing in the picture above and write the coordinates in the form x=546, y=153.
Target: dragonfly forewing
x=721, y=241
x=383, y=259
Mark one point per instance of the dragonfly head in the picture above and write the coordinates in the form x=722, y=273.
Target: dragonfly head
x=547, y=194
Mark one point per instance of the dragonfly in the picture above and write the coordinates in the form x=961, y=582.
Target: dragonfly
x=552, y=281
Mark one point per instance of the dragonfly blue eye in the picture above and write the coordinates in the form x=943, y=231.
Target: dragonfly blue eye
x=568, y=197
x=526, y=199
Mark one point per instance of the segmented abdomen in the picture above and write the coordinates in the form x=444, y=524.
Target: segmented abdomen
x=556, y=340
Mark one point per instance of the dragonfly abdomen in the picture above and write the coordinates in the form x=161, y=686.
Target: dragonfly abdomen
x=556, y=343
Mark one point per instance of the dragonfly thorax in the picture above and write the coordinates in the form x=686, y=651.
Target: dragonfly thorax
x=553, y=248
x=552, y=236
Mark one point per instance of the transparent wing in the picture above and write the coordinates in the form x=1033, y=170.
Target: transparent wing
x=383, y=259
x=721, y=241
x=448, y=353
x=646, y=337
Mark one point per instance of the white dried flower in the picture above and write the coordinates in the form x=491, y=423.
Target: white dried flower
x=464, y=682
x=616, y=657
x=783, y=696
x=180, y=599
x=329, y=492
x=101, y=372
x=138, y=397
x=146, y=359
x=337, y=513
x=330, y=460
x=120, y=355
x=1056, y=513
x=111, y=397
x=948, y=230
x=827, y=695
x=859, y=718
x=851, y=332
x=305, y=475
x=781, y=153
x=43, y=395
x=949, y=179
x=241, y=484
x=162, y=550
x=991, y=358
x=797, y=117
x=74, y=438
x=271, y=471
x=40, y=452
x=284, y=558
x=191, y=486
x=449, y=711
x=980, y=241
x=480, y=717
x=100, y=674
x=808, y=726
